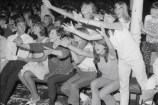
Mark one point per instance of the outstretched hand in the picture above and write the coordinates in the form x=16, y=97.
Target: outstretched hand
x=47, y=3
x=69, y=28
x=65, y=43
x=78, y=17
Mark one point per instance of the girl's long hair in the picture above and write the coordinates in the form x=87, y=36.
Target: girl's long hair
x=126, y=15
x=97, y=56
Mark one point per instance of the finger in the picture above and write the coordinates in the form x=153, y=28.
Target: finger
x=72, y=24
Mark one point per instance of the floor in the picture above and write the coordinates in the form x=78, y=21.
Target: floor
x=21, y=96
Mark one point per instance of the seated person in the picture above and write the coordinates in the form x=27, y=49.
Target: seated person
x=86, y=70
x=37, y=65
x=60, y=66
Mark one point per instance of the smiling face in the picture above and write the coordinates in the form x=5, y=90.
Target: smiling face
x=99, y=48
x=53, y=35
x=87, y=10
x=119, y=11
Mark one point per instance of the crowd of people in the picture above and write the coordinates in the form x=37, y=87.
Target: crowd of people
x=78, y=48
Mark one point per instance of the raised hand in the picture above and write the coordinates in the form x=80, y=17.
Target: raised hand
x=79, y=18
x=47, y=3
x=69, y=28
x=65, y=43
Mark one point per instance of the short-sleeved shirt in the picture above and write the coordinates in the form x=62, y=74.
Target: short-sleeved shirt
x=56, y=64
x=151, y=25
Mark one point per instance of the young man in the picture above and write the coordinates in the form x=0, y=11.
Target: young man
x=16, y=57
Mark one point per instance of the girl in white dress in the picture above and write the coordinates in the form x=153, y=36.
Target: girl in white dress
x=37, y=66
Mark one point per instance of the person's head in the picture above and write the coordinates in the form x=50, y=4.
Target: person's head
x=121, y=11
x=59, y=21
x=2, y=20
x=87, y=9
x=57, y=33
x=27, y=13
x=33, y=19
x=154, y=10
x=100, y=49
x=48, y=20
x=110, y=17
x=21, y=26
x=40, y=30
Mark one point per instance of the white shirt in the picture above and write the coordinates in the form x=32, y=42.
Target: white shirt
x=87, y=64
x=124, y=43
x=3, y=47
x=12, y=48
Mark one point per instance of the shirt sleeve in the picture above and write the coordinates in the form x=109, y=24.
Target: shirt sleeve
x=39, y=47
x=65, y=53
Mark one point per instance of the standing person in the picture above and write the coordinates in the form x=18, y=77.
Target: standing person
x=128, y=51
x=150, y=29
x=37, y=65
x=16, y=57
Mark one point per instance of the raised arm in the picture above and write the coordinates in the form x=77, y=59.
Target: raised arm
x=112, y=51
x=58, y=10
x=83, y=35
x=116, y=25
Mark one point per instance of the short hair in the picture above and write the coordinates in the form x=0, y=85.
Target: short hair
x=94, y=8
x=154, y=5
x=20, y=20
x=49, y=18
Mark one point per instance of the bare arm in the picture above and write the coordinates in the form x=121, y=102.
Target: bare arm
x=81, y=52
x=58, y=10
x=154, y=35
x=43, y=58
x=116, y=25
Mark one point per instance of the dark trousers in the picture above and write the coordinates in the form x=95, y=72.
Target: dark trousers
x=8, y=79
x=147, y=49
x=53, y=81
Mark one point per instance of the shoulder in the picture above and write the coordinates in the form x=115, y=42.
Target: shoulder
x=12, y=37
